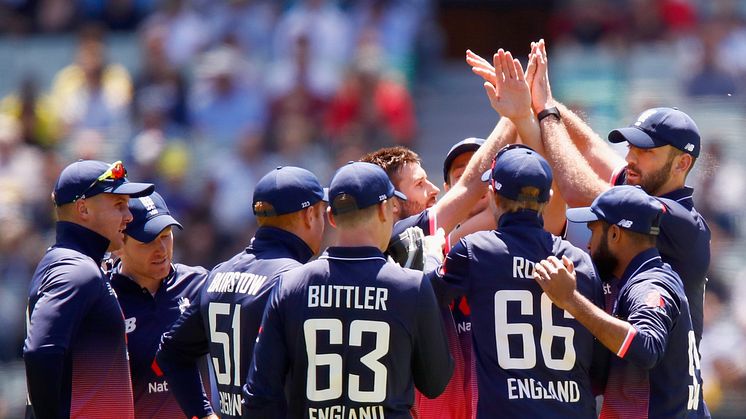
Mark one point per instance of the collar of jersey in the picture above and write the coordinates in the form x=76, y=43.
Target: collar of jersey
x=353, y=253
x=683, y=196
x=522, y=217
x=127, y=282
x=645, y=260
x=271, y=238
x=86, y=241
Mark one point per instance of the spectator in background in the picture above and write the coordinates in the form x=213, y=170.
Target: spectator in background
x=91, y=93
x=162, y=78
x=36, y=114
x=249, y=23
x=711, y=77
x=370, y=105
x=296, y=141
x=391, y=25
x=184, y=32
x=328, y=32
x=226, y=103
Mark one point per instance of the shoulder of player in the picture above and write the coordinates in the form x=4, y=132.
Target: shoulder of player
x=188, y=276
x=69, y=266
x=581, y=259
x=661, y=278
x=677, y=218
x=490, y=240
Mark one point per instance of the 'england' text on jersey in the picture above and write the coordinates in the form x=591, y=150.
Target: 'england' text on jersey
x=344, y=412
x=237, y=282
x=528, y=388
x=347, y=296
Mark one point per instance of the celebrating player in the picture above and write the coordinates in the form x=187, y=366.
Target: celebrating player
x=153, y=292
x=75, y=350
x=350, y=331
x=656, y=371
x=532, y=359
x=663, y=145
x=289, y=206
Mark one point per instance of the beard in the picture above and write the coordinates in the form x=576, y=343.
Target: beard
x=410, y=208
x=606, y=263
x=653, y=182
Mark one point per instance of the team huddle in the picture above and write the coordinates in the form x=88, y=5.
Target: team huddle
x=468, y=306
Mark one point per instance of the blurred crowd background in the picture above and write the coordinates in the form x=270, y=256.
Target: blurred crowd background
x=203, y=97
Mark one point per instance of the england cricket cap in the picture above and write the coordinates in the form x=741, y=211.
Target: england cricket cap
x=461, y=147
x=287, y=189
x=516, y=167
x=657, y=127
x=358, y=185
x=87, y=178
x=627, y=206
x=150, y=216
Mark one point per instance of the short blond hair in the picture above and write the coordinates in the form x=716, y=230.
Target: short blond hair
x=283, y=221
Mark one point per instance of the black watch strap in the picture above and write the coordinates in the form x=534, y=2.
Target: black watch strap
x=548, y=111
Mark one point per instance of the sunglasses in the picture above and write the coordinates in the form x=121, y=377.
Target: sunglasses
x=116, y=171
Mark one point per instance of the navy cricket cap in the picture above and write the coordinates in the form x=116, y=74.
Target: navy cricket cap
x=365, y=184
x=287, y=189
x=150, y=216
x=461, y=147
x=626, y=206
x=657, y=127
x=517, y=166
x=87, y=178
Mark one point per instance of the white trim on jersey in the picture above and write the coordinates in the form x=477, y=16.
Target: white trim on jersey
x=339, y=258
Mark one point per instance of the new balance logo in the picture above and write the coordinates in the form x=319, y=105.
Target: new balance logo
x=305, y=204
x=624, y=223
x=130, y=325
x=689, y=147
x=381, y=197
x=498, y=186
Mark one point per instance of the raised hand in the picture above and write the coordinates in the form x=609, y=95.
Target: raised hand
x=541, y=92
x=505, y=84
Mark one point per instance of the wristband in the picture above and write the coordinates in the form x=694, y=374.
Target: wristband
x=548, y=111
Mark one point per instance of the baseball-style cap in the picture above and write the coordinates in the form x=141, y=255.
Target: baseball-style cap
x=150, y=216
x=365, y=184
x=657, y=127
x=461, y=147
x=626, y=206
x=287, y=189
x=87, y=178
x=517, y=166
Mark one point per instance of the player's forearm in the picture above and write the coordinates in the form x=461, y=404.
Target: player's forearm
x=601, y=157
x=554, y=212
x=615, y=334
x=44, y=382
x=456, y=204
x=529, y=131
x=578, y=184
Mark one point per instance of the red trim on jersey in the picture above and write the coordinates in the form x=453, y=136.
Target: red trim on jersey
x=631, y=333
x=156, y=369
x=615, y=174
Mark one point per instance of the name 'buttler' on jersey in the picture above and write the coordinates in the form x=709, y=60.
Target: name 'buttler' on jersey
x=352, y=333
x=226, y=321
x=147, y=317
x=533, y=359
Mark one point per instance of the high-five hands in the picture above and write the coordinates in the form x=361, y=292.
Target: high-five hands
x=505, y=83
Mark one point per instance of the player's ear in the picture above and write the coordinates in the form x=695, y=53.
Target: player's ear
x=615, y=233
x=81, y=208
x=383, y=210
x=330, y=215
x=683, y=163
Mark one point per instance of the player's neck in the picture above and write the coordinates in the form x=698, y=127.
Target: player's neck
x=151, y=284
x=359, y=237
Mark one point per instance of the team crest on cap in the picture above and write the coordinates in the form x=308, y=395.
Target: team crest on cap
x=149, y=205
x=498, y=186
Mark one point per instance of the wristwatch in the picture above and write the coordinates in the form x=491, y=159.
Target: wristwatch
x=549, y=111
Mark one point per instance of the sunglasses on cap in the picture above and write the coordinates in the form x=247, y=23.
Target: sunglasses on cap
x=114, y=172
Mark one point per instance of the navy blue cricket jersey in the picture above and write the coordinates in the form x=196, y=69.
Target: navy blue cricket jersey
x=226, y=321
x=684, y=243
x=147, y=317
x=533, y=359
x=349, y=335
x=75, y=350
x=657, y=371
